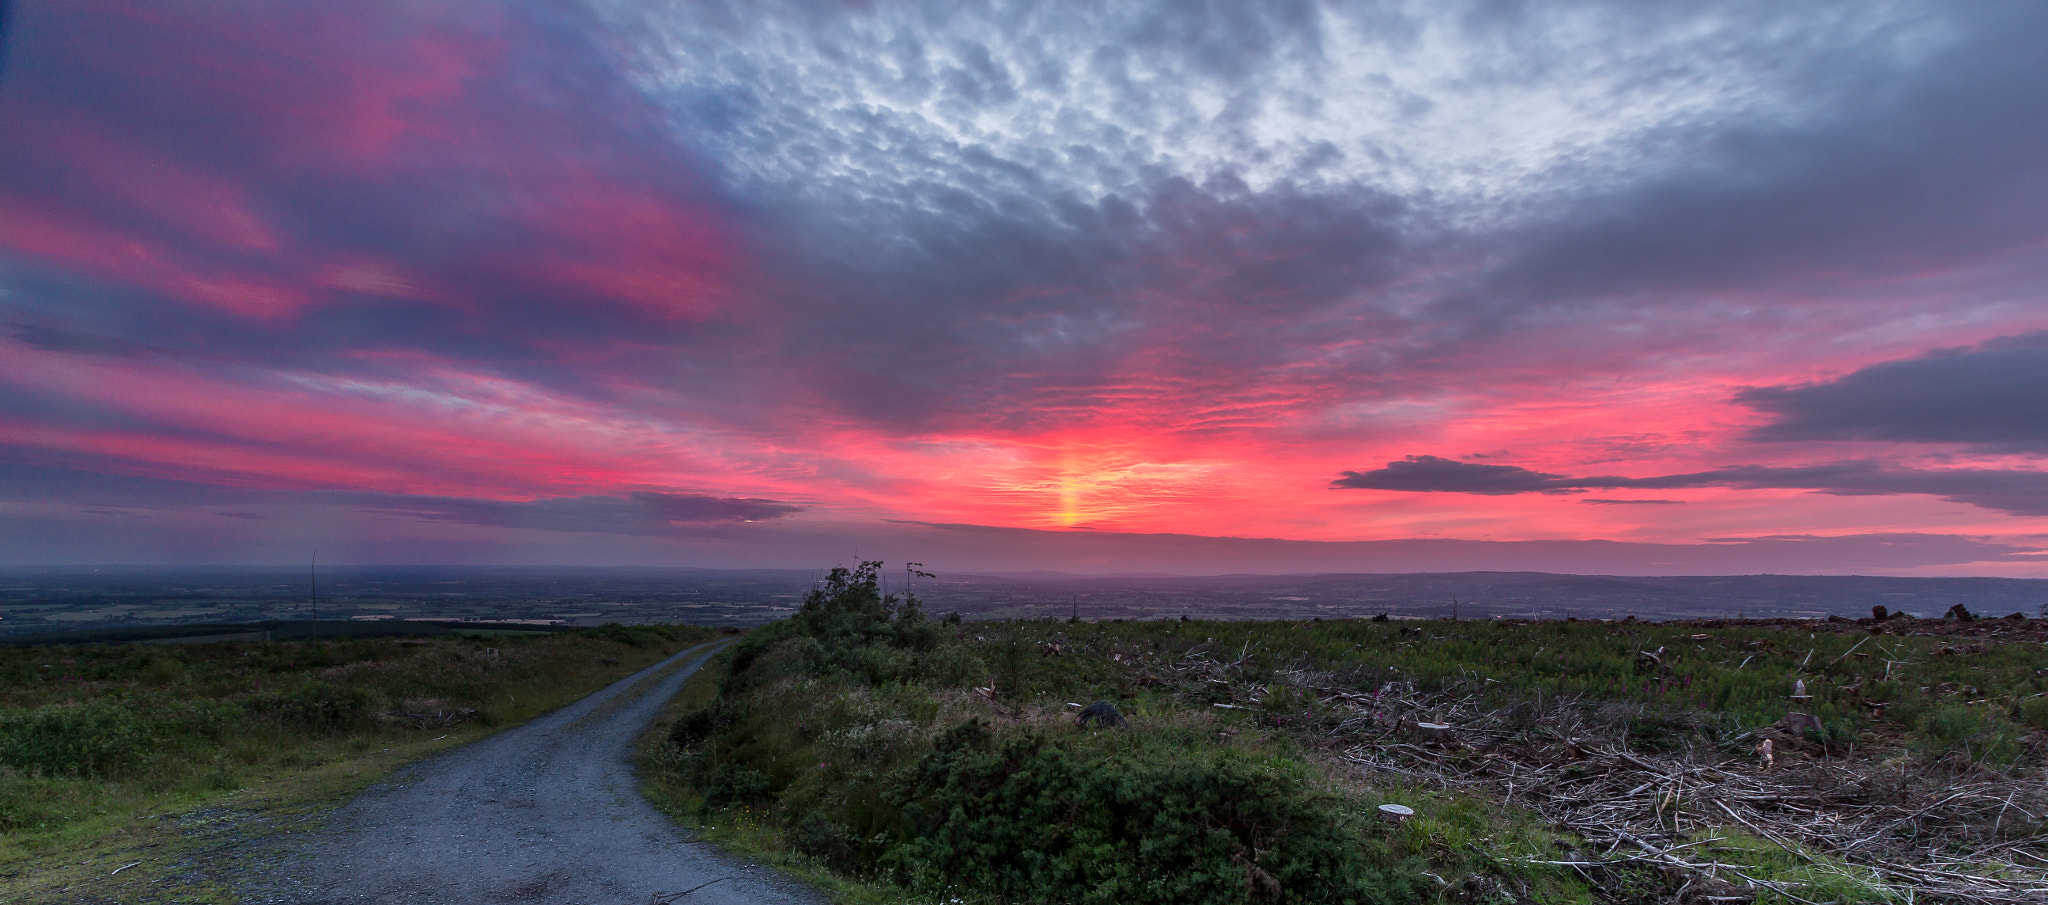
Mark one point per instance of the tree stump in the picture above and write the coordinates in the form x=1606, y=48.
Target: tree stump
x=1436, y=734
x=1799, y=723
x=1396, y=813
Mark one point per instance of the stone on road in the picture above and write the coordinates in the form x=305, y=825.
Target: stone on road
x=544, y=813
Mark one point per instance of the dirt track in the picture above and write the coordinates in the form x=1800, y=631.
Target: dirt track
x=545, y=813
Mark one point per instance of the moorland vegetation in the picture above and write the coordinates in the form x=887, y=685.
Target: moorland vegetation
x=107, y=749
x=902, y=757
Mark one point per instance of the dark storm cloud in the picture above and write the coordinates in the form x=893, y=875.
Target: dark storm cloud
x=2004, y=490
x=1991, y=395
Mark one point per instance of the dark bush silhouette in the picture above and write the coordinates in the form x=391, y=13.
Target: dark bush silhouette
x=1103, y=713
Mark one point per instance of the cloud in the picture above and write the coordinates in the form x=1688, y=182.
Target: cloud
x=1432, y=474
x=47, y=515
x=648, y=513
x=638, y=513
x=827, y=251
x=6, y=32
x=1008, y=219
x=1992, y=395
x=1923, y=155
x=2013, y=491
x=293, y=184
x=958, y=547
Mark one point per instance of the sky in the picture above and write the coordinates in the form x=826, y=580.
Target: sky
x=1606, y=287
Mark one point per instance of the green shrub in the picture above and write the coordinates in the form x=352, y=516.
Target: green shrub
x=817, y=836
x=1953, y=729
x=76, y=739
x=2034, y=713
x=1659, y=733
x=700, y=725
x=320, y=708
x=1036, y=819
x=26, y=801
x=728, y=784
x=108, y=738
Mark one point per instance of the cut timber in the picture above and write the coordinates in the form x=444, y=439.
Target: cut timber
x=1436, y=734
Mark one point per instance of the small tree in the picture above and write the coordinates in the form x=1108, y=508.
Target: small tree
x=849, y=609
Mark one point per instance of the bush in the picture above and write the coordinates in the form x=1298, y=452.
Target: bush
x=1034, y=819
x=2034, y=713
x=316, y=707
x=700, y=725
x=727, y=784
x=76, y=740
x=106, y=739
x=1947, y=729
x=820, y=838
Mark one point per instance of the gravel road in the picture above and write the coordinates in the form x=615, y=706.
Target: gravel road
x=544, y=813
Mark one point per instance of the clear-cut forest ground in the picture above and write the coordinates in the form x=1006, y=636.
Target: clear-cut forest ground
x=909, y=758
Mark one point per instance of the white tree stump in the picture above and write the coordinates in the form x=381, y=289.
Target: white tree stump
x=1436, y=734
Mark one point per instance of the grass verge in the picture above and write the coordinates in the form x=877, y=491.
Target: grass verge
x=161, y=763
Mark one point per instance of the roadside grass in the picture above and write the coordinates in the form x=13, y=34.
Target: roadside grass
x=172, y=756
x=893, y=757
x=740, y=830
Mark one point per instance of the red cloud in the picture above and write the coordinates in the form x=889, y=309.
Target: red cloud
x=190, y=151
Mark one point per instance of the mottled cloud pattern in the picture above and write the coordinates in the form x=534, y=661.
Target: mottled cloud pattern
x=2013, y=491
x=695, y=275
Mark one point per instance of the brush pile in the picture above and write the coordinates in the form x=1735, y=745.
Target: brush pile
x=1675, y=791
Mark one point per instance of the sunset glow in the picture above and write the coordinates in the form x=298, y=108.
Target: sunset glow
x=773, y=284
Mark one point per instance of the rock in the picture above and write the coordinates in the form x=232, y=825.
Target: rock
x=1799, y=723
x=1104, y=714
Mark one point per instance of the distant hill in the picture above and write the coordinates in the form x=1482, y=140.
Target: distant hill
x=54, y=600
x=1483, y=594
